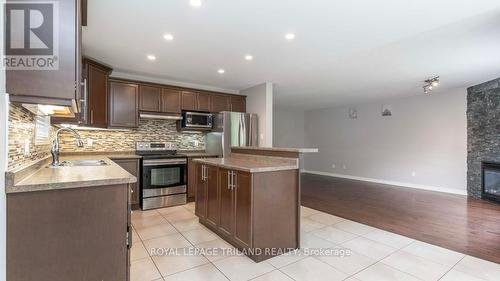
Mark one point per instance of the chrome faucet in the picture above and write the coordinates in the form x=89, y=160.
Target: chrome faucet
x=55, y=145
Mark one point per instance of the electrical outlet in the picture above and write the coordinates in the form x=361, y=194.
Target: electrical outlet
x=196, y=142
x=333, y=166
x=261, y=137
x=90, y=142
x=26, y=147
x=413, y=174
x=344, y=167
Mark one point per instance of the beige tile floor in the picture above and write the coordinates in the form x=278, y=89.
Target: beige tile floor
x=374, y=254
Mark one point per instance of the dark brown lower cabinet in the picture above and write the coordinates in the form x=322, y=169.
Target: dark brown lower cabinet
x=212, y=196
x=226, y=203
x=76, y=234
x=257, y=212
x=207, y=194
x=201, y=192
x=192, y=175
x=242, y=208
x=132, y=166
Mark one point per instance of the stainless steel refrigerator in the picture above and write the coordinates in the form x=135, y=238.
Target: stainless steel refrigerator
x=232, y=129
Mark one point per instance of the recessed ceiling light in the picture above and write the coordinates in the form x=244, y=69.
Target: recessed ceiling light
x=195, y=3
x=289, y=36
x=221, y=71
x=151, y=57
x=248, y=57
x=168, y=37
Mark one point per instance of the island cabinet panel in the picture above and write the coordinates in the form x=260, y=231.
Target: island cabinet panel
x=212, y=196
x=257, y=211
x=220, y=103
x=188, y=100
x=171, y=101
x=201, y=192
x=124, y=105
x=133, y=167
x=226, y=203
x=281, y=216
x=242, y=208
x=76, y=234
x=192, y=168
x=149, y=98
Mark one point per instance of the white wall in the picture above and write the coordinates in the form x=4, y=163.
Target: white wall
x=3, y=157
x=426, y=135
x=260, y=101
x=288, y=128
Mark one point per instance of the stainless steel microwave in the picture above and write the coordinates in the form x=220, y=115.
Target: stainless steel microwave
x=197, y=120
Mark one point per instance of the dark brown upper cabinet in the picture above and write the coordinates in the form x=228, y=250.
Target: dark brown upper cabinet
x=123, y=105
x=61, y=86
x=171, y=100
x=203, y=102
x=238, y=104
x=189, y=100
x=150, y=98
x=95, y=112
x=83, y=12
x=220, y=103
x=208, y=102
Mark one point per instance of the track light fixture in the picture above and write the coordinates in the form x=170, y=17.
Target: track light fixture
x=430, y=84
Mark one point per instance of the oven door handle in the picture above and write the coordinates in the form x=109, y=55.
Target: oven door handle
x=163, y=161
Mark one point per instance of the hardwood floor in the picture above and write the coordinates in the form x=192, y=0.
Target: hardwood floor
x=462, y=224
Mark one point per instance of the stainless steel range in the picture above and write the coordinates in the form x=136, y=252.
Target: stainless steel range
x=163, y=181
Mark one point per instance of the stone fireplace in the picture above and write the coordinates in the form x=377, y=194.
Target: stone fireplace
x=483, y=139
x=491, y=181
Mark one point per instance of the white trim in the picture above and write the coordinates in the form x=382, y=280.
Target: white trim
x=132, y=76
x=395, y=183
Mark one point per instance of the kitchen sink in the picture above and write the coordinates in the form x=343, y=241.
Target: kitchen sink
x=82, y=163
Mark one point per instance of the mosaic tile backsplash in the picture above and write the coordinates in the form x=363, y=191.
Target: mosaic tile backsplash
x=22, y=127
x=149, y=130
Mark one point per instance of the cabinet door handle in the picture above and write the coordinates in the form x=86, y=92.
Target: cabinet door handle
x=91, y=116
x=229, y=180
x=232, y=180
x=235, y=180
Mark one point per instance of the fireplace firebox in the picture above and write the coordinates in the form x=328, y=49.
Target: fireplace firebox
x=491, y=181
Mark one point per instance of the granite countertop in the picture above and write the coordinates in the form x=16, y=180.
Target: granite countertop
x=132, y=155
x=47, y=178
x=111, y=155
x=196, y=153
x=280, y=149
x=252, y=163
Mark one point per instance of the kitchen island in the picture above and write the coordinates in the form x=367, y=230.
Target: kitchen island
x=251, y=201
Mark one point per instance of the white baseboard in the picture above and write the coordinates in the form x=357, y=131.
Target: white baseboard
x=396, y=183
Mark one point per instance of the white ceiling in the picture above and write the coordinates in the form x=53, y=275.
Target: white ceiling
x=344, y=51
